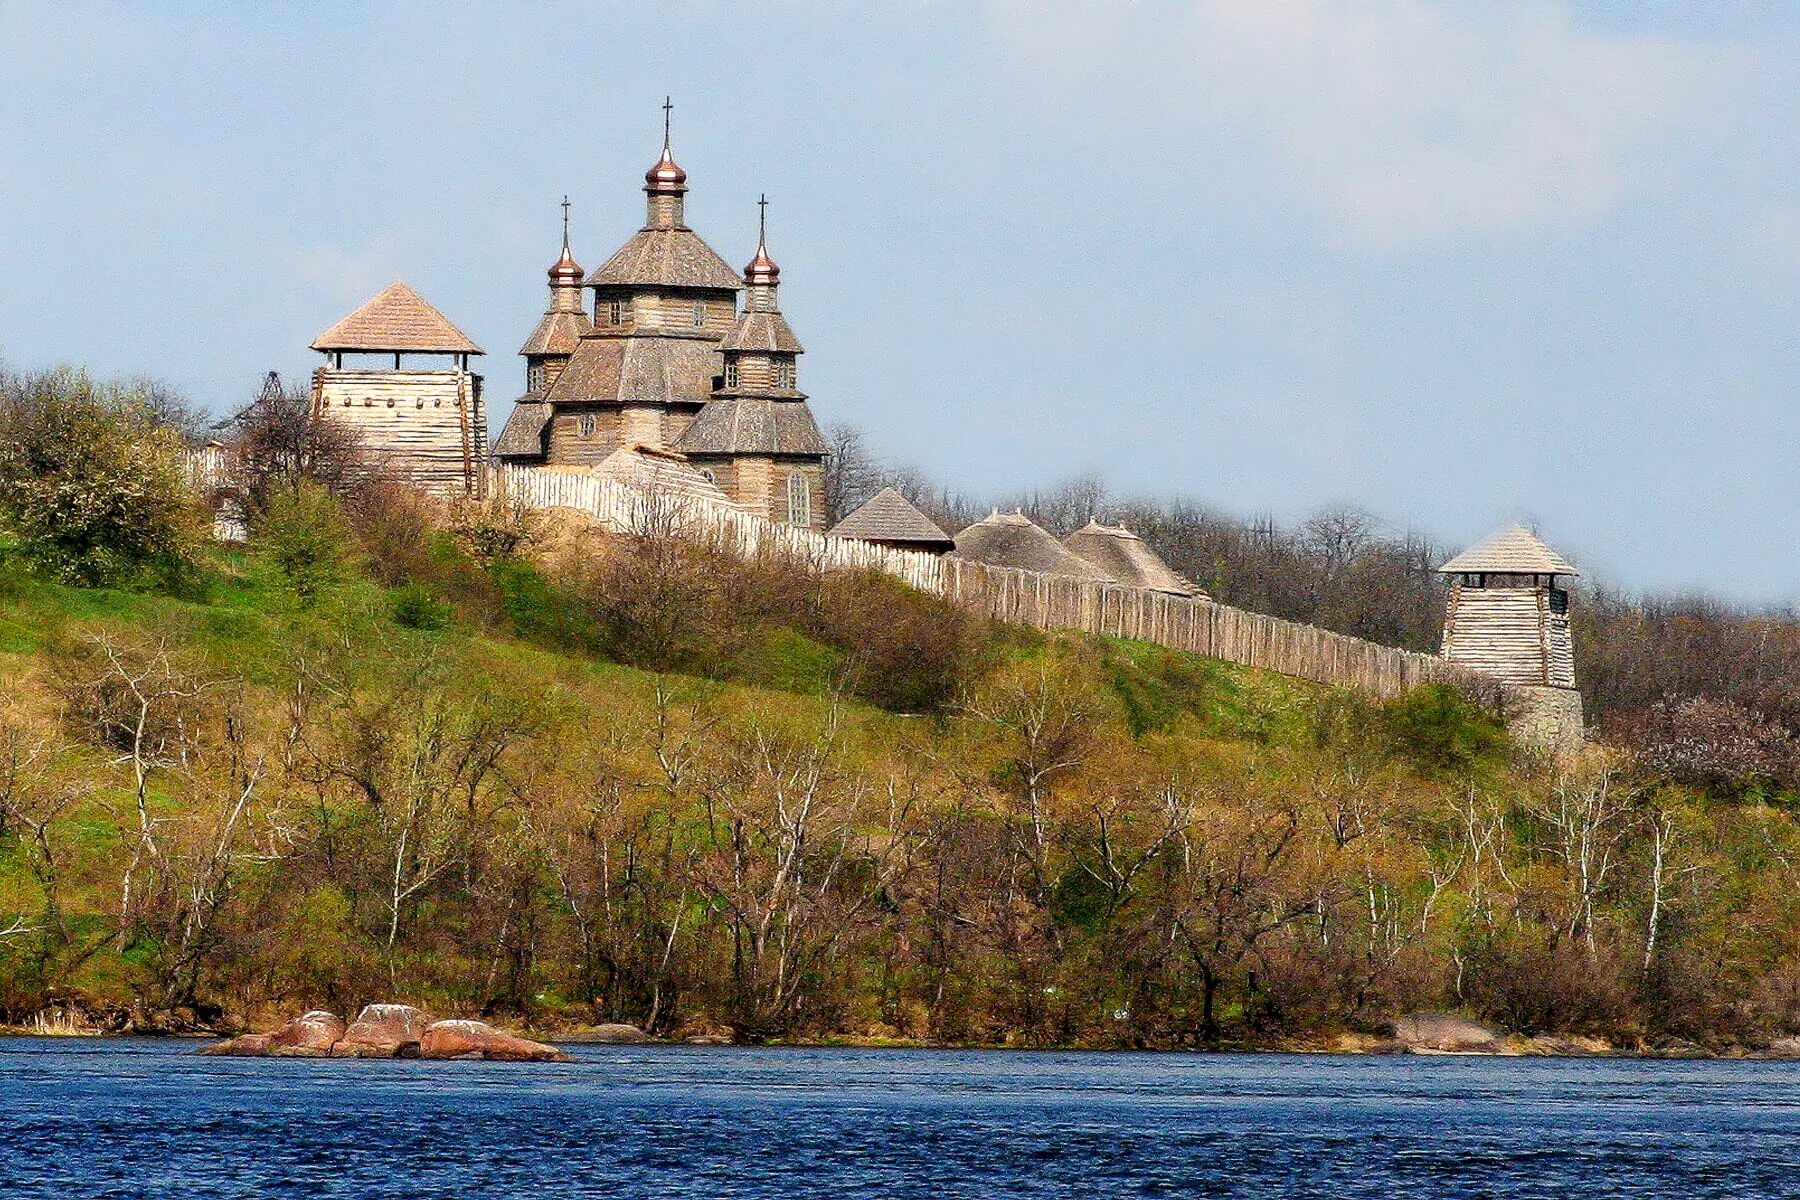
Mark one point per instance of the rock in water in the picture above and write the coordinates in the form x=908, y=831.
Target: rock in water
x=309, y=1035
x=609, y=1035
x=1448, y=1033
x=315, y=1030
x=384, y=1031
x=478, y=1039
x=247, y=1045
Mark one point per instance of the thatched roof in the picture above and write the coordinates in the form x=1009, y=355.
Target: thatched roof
x=889, y=517
x=1011, y=540
x=767, y=331
x=665, y=258
x=523, y=436
x=1126, y=557
x=557, y=333
x=398, y=319
x=658, y=370
x=1514, y=550
x=753, y=425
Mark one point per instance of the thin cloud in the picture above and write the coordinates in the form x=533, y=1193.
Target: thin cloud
x=1401, y=121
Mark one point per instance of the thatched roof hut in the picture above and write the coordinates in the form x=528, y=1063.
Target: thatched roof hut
x=889, y=519
x=1126, y=557
x=1012, y=540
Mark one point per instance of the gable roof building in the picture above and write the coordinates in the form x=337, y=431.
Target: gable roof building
x=890, y=519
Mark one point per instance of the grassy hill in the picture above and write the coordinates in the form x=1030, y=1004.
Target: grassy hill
x=587, y=779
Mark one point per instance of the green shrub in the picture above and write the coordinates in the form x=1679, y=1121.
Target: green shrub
x=303, y=538
x=417, y=607
x=93, y=484
x=1441, y=728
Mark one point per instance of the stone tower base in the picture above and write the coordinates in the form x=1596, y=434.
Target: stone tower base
x=1546, y=717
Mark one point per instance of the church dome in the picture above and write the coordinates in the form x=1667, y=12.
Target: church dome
x=566, y=270
x=762, y=269
x=666, y=177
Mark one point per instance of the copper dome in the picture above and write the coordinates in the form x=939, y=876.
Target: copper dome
x=665, y=178
x=762, y=269
x=566, y=269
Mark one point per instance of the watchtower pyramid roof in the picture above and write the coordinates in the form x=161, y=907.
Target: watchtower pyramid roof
x=1513, y=550
x=397, y=319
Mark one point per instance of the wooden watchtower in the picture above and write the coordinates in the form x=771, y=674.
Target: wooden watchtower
x=423, y=421
x=1508, y=619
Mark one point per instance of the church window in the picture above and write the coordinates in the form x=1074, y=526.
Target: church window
x=784, y=373
x=731, y=373
x=799, y=500
x=534, y=377
x=586, y=424
x=707, y=474
x=620, y=312
x=699, y=313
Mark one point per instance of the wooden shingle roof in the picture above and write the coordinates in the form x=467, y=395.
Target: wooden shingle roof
x=398, y=319
x=1012, y=540
x=650, y=369
x=766, y=331
x=1514, y=550
x=889, y=517
x=753, y=425
x=523, y=435
x=1126, y=557
x=665, y=258
x=557, y=333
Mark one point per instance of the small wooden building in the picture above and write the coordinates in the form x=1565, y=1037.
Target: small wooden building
x=1508, y=618
x=1126, y=557
x=1014, y=540
x=889, y=519
x=423, y=421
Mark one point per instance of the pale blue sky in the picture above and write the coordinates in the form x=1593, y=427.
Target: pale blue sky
x=1455, y=263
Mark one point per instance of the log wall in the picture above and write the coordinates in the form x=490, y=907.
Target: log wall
x=1021, y=597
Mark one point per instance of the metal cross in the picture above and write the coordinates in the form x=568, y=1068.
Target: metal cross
x=762, y=218
x=668, y=107
x=565, y=208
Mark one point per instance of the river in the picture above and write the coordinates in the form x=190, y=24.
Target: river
x=140, y=1117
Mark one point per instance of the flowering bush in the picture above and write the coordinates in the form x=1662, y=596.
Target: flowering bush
x=1712, y=744
x=93, y=485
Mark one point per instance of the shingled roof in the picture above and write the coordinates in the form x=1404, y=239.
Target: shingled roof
x=753, y=425
x=523, y=436
x=398, y=319
x=766, y=331
x=890, y=518
x=647, y=369
x=1514, y=550
x=665, y=258
x=1126, y=557
x=557, y=333
x=662, y=472
x=1012, y=540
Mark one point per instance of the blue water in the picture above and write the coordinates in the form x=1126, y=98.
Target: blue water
x=131, y=1118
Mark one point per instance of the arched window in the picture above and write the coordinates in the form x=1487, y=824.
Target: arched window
x=799, y=500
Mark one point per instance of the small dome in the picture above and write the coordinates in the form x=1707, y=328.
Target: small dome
x=762, y=269
x=566, y=270
x=665, y=178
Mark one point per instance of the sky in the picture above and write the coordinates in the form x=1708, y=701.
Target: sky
x=1455, y=264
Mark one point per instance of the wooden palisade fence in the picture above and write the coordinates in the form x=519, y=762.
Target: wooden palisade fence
x=1021, y=597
